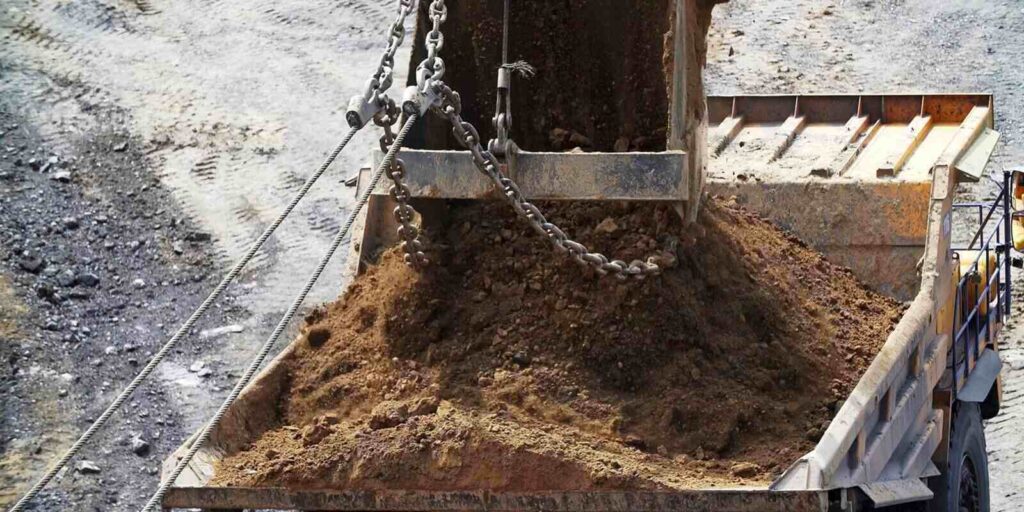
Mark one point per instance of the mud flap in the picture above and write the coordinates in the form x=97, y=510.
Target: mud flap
x=980, y=382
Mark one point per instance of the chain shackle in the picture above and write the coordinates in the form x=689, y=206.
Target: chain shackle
x=364, y=107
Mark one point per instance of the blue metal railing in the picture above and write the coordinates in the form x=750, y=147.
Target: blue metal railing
x=976, y=312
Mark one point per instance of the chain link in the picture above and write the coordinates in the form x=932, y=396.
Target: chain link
x=400, y=193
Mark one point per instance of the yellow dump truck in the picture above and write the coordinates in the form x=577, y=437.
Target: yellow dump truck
x=867, y=179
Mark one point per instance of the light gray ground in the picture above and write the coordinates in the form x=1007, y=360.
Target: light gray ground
x=237, y=101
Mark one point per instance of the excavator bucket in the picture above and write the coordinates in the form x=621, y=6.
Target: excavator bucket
x=602, y=120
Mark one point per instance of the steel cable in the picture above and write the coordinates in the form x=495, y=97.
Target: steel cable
x=182, y=331
x=250, y=372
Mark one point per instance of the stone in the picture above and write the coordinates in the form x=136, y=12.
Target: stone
x=71, y=223
x=196, y=366
x=198, y=236
x=521, y=358
x=31, y=263
x=138, y=283
x=61, y=176
x=45, y=291
x=88, y=279
x=66, y=278
x=139, y=446
x=87, y=467
x=388, y=414
x=220, y=331
x=122, y=147
x=607, y=225
x=744, y=470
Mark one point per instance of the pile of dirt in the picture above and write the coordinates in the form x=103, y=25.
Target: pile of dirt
x=504, y=366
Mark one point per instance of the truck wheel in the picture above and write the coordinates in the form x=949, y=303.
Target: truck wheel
x=963, y=485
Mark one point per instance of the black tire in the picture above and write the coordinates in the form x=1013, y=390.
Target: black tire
x=963, y=484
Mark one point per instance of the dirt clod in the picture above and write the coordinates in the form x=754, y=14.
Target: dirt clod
x=720, y=371
x=317, y=336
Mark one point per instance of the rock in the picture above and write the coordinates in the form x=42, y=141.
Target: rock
x=61, y=176
x=66, y=278
x=388, y=414
x=317, y=336
x=138, y=283
x=424, y=406
x=35, y=164
x=87, y=467
x=121, y=148
x=744, y=470
x=204, y=373
x=140, y=447
x=50, y=163
x=313, y=434
x=522, y=359
x=635, y=442
x=31, y=263
x=607, y=225
x=559, y=138
x=578, y=140
x=220, y=331
x=198, y=236
x=196, y=366
x=70, y=223
x=178, y=247
x=88, y=279
x=45, y=291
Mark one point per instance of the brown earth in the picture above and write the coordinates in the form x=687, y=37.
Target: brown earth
x=506, y=367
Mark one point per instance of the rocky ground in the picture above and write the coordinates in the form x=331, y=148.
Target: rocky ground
x=99, y=265
x=223, y=107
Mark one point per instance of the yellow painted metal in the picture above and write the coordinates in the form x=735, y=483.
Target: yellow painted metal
x=1018, y=205
x=979, y=280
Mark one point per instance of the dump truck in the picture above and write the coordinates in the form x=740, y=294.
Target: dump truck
x=869, y=180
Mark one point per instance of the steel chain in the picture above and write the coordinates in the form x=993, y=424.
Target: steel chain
x=365, y=106
x=400, y=193
x=432, y=69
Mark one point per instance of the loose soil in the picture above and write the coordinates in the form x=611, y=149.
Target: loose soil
x=505, y=366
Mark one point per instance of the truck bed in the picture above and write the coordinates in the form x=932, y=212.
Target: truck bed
x=881, y=440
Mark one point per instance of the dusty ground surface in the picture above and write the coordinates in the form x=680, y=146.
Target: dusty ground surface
x=551, y=379
x=207, y=114
x=230, y=103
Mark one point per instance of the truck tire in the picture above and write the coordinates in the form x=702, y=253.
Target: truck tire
x=963, y=484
